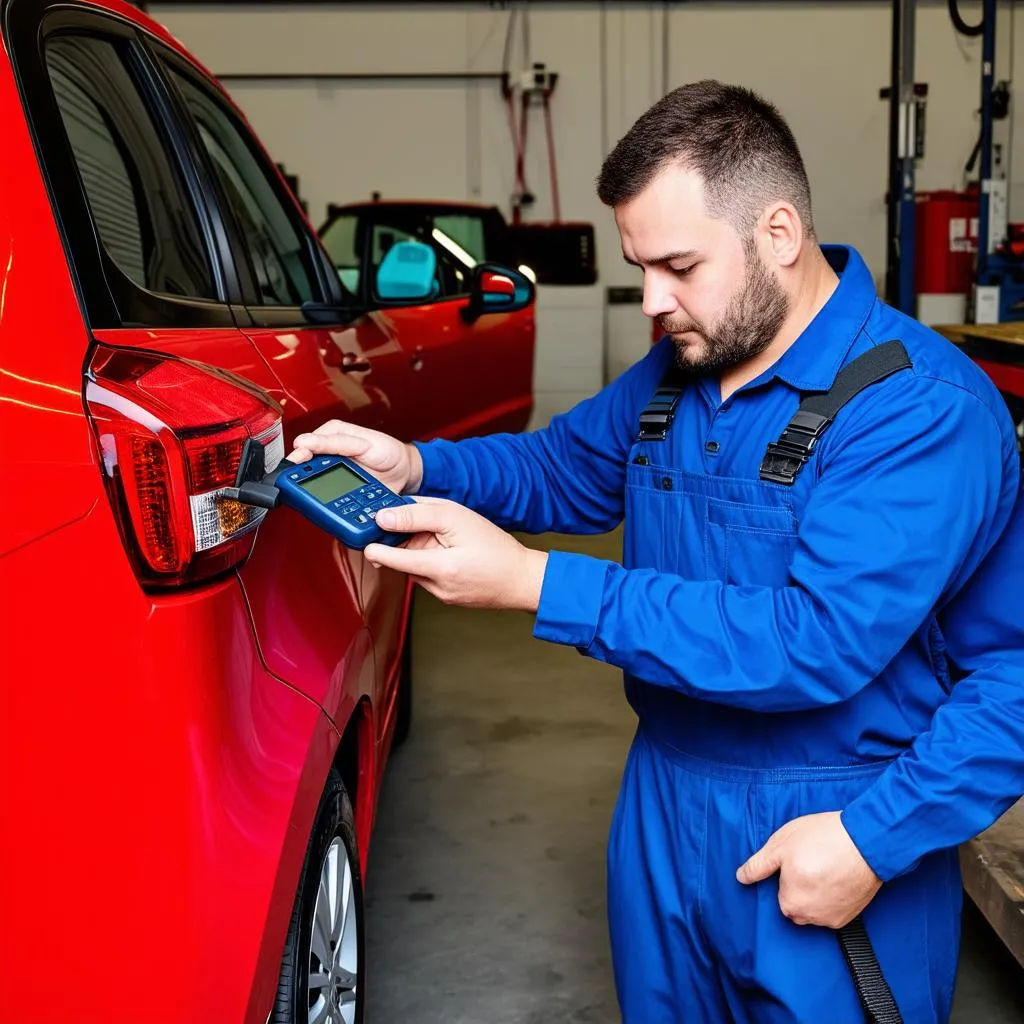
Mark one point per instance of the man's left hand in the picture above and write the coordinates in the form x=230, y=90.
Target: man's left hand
x=460, y=557
x=823, y=879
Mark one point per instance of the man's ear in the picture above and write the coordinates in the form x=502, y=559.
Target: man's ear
x=785, y=232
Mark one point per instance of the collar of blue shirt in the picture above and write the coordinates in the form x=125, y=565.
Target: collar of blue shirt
x=813, y=360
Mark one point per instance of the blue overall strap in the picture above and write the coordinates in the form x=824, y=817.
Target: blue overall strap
x=872, y=988
x=786, y=457
x=661, y=409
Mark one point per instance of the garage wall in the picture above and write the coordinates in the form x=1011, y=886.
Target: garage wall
x=822, y=63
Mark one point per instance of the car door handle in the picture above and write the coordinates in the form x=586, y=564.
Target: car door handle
x=347, y=362
x=351, y=363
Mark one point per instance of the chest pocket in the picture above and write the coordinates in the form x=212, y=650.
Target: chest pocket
x=749, y=545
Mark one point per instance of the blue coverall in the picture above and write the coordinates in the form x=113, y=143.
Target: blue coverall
x=781, y=648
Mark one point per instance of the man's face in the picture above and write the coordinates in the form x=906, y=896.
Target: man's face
x=709, y=288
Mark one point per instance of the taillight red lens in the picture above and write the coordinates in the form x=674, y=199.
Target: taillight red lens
x=170, y=434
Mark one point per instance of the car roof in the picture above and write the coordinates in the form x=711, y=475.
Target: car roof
x=454, y=204
x=130, y=12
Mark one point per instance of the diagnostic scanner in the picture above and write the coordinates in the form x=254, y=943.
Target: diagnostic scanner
x=331, y=491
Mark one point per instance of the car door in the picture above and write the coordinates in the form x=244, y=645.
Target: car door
x=333, y=362
x=470, y=378
x=506, y=375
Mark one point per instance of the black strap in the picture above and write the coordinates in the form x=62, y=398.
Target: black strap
x=661, y=409
x=872, y=988
x=784, y=458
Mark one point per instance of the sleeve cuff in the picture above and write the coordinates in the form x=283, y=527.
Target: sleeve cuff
x=433, y=458
x=875, y=838
x=570, y=599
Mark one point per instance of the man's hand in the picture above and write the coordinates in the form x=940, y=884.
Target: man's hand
x=393, y=463
x=460, y=557
x=823, y=879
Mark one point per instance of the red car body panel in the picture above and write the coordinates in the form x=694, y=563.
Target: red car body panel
x=498, y=395
x=163, y=753
x=306, y=610
x=156, y=785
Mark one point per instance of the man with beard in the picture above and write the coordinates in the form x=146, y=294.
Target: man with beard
x=807, y=478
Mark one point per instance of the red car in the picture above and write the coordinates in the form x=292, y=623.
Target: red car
x=189, y=793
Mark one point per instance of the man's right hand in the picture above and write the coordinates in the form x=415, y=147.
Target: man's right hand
x=393, y=463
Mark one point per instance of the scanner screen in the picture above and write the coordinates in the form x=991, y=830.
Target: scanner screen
x=330, y=486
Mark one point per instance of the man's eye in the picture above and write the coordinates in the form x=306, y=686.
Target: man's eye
x=683, y=271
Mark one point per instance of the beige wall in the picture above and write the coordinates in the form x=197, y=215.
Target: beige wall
x=822, y=63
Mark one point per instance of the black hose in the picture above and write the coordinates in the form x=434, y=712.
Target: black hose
x=961, y=25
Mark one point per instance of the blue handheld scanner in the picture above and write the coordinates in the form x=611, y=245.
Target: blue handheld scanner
x=331, y=491
x=341, y=498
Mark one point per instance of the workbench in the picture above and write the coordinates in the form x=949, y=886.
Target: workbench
x=999, y=350
x=993, y=871
x=1011, y=333
x=993, y=863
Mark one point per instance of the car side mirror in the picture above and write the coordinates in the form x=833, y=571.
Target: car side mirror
x=408, y=273
x=497, y=289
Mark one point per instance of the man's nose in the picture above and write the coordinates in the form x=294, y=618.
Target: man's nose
x=658, y=297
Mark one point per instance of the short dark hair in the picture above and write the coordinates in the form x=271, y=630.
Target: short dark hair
x=737, y=142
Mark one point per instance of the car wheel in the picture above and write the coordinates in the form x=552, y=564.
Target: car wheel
x=403, y=700
x=322, y=970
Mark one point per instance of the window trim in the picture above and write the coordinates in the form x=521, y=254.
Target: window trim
x=327, y=289
x=108, y=297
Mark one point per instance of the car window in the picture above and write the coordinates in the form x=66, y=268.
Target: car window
x=136, y=199
x=276, y=249
x=465, y=231
x=454, y=267
x=340, y=242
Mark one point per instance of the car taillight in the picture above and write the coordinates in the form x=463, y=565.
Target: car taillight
x=170, y=434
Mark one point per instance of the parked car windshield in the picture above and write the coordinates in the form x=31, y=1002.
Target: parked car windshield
x=340, y=242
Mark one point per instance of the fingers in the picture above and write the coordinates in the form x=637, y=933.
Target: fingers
x=335, y=437
x=761, y=865
x=336, y=443
x=420, y=562
x=419, y=541
x=299, y=455
x=426, y=515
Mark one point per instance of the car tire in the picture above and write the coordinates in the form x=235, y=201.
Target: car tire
x=403, y=699
x=330, y=877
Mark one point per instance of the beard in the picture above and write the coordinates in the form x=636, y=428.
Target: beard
x=747, y=327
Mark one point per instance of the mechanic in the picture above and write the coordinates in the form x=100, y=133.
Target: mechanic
x=776, y=614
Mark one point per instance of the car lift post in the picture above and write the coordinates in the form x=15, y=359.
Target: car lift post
x=986, y=243
x=903, y=144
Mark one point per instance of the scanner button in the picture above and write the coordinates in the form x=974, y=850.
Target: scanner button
x=373, y=514
x=360, y=519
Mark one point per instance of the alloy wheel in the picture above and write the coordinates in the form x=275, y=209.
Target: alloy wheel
x=333, y=946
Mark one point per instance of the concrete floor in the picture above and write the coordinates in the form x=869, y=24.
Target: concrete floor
x=485, y=897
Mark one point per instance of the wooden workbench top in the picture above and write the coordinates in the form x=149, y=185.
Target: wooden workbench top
x=1013, y=332
x=993, y=873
